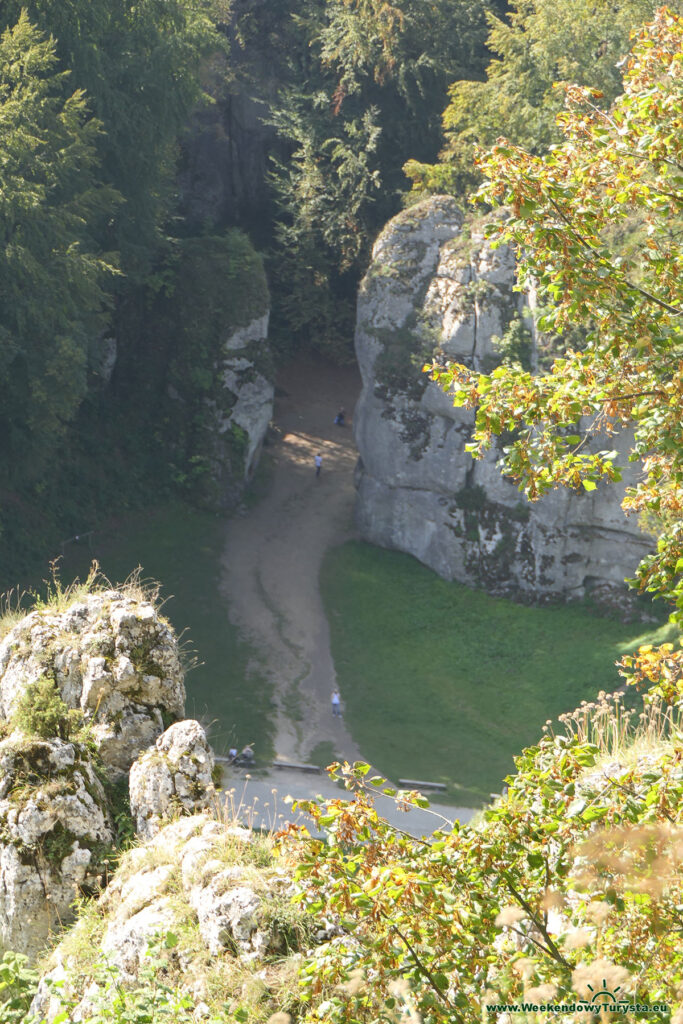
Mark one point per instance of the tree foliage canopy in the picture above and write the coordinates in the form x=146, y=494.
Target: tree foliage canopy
x=93, y=95
x=138, y=65
x=536, y=45
x=52, y=273
x=614, y=168
x=363, y=87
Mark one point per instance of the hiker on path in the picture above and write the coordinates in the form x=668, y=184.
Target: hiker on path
x=318, y=464
x=340, y=417
x=336, y=704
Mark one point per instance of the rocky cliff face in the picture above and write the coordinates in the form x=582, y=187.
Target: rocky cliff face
x=249, y=393
x=434, y=282
x=219, y=890
x=84, y=690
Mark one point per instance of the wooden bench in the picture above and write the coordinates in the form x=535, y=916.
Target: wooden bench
x=421, y=784
x=297, y=766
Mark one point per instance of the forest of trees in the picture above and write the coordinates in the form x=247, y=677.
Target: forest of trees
x=365, y=105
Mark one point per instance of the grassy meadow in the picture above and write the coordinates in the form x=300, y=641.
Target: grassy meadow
x=445, y=683
x=182, y=547
x=439, y=682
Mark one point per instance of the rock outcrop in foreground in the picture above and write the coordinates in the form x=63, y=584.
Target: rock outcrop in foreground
x=84, y=690
x=54, y=822
x=112, y=657
x=217, y=890
x=174, y=777
x=435, y=283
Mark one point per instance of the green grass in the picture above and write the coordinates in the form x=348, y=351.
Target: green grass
x=323, y=753
x=447, y=684
x=182, y=548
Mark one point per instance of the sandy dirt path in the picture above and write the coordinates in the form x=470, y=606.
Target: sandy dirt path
x=273, y=554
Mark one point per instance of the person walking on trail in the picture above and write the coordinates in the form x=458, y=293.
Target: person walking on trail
x=336, y=704
x=318, y=464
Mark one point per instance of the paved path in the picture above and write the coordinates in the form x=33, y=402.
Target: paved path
x=261, y=800
x=272, y=557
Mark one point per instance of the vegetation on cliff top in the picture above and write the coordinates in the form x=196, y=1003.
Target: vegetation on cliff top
x=569, y=885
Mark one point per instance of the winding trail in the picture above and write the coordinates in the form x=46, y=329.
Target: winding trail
x=272, y=557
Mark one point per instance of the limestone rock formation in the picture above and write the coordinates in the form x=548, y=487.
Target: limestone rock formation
x=112, y=656
x=103, y=357
x=53, y=820
x=174, y=777
x=225, y=154
x=435, y=283
x=196, y=877
x=252, y=406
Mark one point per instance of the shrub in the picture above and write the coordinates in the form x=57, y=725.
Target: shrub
x=18, y=984
x=41, y=711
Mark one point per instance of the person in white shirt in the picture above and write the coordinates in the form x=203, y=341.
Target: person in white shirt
x=318, y=464
x=336, y=704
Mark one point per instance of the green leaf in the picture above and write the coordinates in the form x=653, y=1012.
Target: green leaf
x=594, y=813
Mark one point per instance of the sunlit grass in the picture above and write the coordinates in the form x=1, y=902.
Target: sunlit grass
x=444, y=683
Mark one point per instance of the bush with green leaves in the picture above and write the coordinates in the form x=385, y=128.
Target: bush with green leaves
x=149, y=1000
x=40, y=711
x=574, y=874
x=18, y=984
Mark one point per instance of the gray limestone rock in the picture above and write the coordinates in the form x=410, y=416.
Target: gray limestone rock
x=103, y=357
x=52, y=817
x=173, y=778
x=226, y=918
x=182, y=870
x=434, y=282
x=254, y=393
x=113, y=657
x=240, y=408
